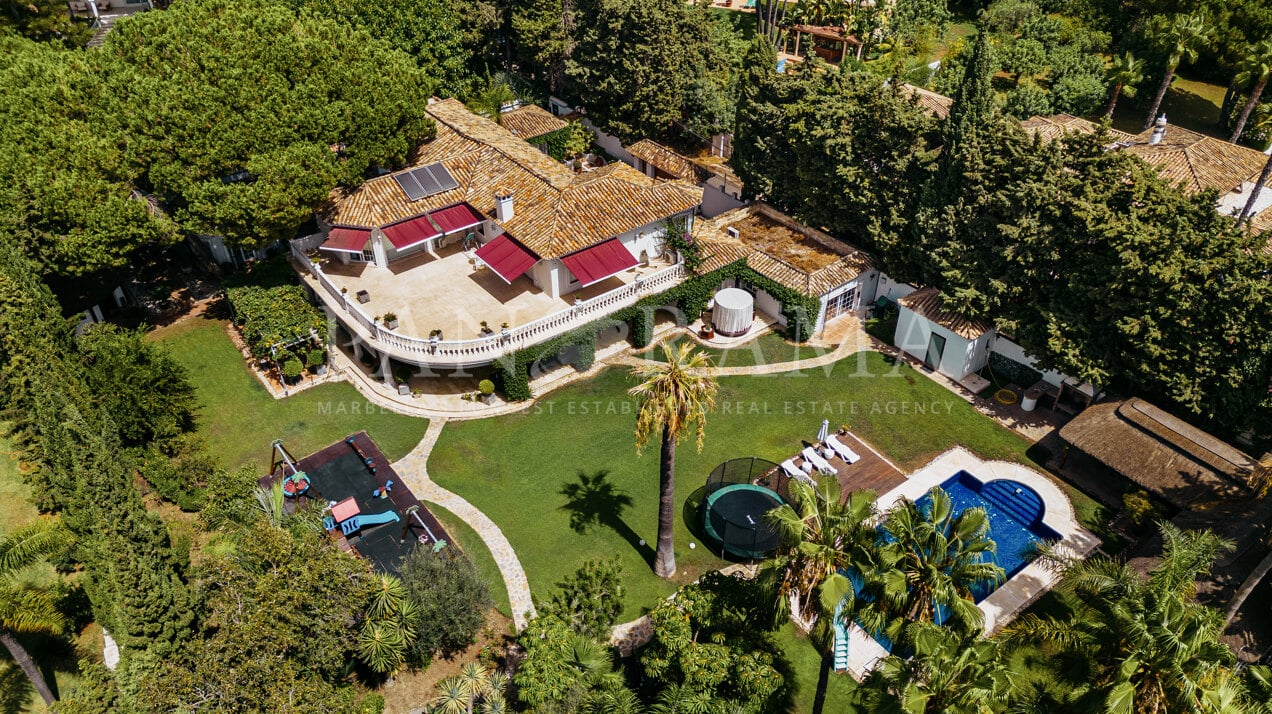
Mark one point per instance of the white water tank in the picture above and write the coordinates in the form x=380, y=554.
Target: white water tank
x=733, y=312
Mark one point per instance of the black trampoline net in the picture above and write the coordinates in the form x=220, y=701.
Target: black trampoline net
x=738, y=494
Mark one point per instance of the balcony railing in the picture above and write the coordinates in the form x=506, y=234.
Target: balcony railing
x=491, y=348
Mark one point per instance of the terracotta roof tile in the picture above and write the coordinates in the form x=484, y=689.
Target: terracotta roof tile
x=837, y=262
x=668, y=161
x=938, y=105
x=1055, y=126
x=531, y=121
x=555, y=211
x=929, y=304
x=1196, y=162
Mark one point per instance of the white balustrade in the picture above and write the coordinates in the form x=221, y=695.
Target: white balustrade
x=463, y=352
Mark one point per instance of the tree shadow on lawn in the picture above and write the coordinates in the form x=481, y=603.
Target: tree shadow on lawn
x=593, y=500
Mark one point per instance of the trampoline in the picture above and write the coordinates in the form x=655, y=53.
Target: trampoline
x=735, y=504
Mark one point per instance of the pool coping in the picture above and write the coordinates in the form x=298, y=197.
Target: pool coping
x=1013, y=596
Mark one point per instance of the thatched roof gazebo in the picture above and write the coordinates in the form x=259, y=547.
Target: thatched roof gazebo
x=1162, y=454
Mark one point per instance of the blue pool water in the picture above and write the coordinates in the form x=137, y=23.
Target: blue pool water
x=1015, y=519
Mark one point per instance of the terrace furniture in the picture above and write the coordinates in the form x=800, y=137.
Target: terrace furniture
x=810, y=455
x=364, y=296
x=848, y=455
x=797, y=473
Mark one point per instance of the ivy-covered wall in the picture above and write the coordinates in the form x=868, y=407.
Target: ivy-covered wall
x=512, y=373
x=553, y=143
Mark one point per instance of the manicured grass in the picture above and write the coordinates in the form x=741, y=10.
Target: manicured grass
x=743, y=23
x=15, y=496
x=240, y=419
x=806, y=665
x=564, y=483
x=769, y=348
x=1188, y=103
x=475, y=548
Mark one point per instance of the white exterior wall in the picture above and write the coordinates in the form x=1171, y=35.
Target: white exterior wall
x=892, y=289
x=961, y=356
x=769, y=305
x=718, y=198
x=1013, y=352
x=865, y=284
x=612, y=144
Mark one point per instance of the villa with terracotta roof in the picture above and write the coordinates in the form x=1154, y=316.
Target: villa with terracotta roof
x=483, y=245
x=530, y=122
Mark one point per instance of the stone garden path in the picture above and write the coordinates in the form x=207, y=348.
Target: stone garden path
x=413, y=469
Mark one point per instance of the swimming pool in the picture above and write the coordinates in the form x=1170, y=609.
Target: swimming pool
x=1015, y=519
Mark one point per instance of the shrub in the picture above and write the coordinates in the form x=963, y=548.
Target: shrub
x=270, y=308
x=486, y=387
x=292, y=368
x=315, y=357
x=1139, y=507
x=451, y=599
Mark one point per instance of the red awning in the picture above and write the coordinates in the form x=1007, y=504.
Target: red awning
x=508, y=258
x=347, y=240
x=410, y=233
x=456, y=218
x=592, y=265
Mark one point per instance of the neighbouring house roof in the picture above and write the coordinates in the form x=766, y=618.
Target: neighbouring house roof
x=779, y=248
x=938, y=105
x=531, y=121
x=1163, y=454
x=1056, y=126
x=930, y=304
x=828, y=32
x=668, y=161
x=555, y=210
x=1196, y=162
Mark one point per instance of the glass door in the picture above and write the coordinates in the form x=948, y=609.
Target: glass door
x=935, y=349
x=841, y=303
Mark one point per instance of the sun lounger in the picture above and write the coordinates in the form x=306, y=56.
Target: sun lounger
x=845, y=453
x=810, y=455
x=797, y=472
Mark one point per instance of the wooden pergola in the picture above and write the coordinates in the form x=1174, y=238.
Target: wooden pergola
x=830, y=33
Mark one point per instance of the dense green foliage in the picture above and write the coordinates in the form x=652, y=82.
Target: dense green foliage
x=588, y=600
x=1109, y=279
x=449, y=598
x=274, y=313
x=143, y=389
x=43, y=20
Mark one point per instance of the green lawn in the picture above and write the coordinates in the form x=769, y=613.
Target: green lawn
x=475, y=548
x=1188, y=103
x=806, y=665
x=15, y=504
x=563, y=481
x=769, y=348
x=240, y=419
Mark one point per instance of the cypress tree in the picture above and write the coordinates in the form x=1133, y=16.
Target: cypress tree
x=974, y=108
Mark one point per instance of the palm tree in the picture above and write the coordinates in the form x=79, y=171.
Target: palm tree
x=389, y=627
x=675, y=396
x=1255, y=67
x=25, y=608
x=949, y=672
x=933, y=561
x=1182, y=37
x=1124, y=74
x=1248, y=211
x=1150, y=646
x=821, y=539
x=475, y=684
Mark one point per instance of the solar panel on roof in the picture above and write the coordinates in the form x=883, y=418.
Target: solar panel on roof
x=426, y=181
x=410, y=186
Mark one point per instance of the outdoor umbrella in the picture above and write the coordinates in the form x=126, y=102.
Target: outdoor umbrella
x=824, y=431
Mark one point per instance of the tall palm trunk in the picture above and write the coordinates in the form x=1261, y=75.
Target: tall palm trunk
x=1229, y=98
x=19, y=654
x=1254, y=193
x=1243, y=592
x=665, y=556
x=1157, y=98
x=1248, y=108
x=1117, y=92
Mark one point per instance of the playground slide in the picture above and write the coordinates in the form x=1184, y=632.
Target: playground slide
x=376, y=519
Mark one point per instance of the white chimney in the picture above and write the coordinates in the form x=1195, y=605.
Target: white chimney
x=503, y=207
x=1159, y=131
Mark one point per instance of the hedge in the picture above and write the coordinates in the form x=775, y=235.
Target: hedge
x=553, y=143
x=512, y=372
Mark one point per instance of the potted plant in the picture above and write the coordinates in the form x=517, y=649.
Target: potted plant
x=364, y=296
x=316, y=360
x=487, y=390
x=391, y=320
x=485, y=329
x=503, y=330
x=292, y=369
x=344, y=290
x=402, y=376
